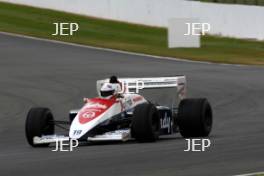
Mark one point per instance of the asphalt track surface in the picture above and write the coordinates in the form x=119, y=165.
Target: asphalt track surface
x=40, y=73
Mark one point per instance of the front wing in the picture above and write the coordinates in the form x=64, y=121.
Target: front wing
x=118, y=135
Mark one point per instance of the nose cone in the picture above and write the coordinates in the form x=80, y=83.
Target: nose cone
x=93, y=113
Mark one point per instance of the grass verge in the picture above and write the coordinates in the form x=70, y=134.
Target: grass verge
x=128, y=37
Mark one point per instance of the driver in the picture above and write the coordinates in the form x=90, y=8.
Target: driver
x=111, y=88
x=108, y=90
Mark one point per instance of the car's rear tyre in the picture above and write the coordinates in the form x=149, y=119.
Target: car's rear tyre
x=195, y=118
x=38, y=123
x=145, y=123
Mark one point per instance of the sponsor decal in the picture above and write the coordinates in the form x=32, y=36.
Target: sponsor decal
x=94, y=108
x=96, y=105
x=165, y=122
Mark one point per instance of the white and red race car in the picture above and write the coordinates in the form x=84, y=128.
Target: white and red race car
x=125, y=115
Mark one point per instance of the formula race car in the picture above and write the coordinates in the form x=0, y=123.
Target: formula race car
x=118, y=114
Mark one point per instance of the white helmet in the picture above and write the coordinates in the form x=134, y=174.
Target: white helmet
x=109, y=89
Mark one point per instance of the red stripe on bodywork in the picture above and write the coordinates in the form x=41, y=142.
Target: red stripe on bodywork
x=94, y=108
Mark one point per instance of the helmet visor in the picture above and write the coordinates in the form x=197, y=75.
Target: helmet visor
x=107, y=93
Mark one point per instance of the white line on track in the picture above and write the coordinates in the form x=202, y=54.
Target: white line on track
x=117, y=51
x=251, y=174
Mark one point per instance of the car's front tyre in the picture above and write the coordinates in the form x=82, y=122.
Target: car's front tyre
x=145, y=123
x=38, y=123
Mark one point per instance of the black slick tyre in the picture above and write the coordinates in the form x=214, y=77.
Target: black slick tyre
x=38, y=123
x=195, y=118
x=145, y=123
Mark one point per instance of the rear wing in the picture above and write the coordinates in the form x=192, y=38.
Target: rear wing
x=136, y=84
